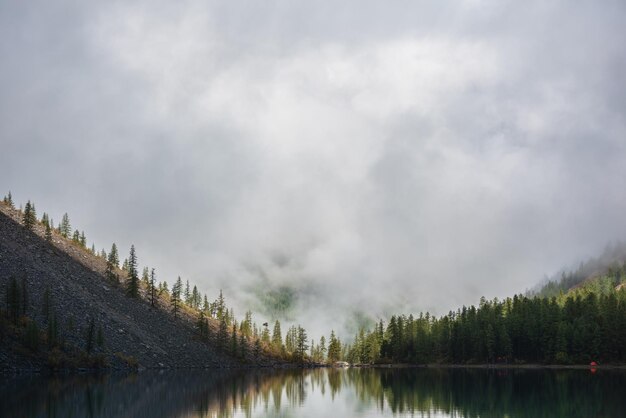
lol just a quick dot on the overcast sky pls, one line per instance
(372, 156)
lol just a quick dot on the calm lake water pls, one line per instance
(322, 393)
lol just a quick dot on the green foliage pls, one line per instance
(132, 286)
(277, 337)
(48, 232)
(334, 348)
(588, 323)
(301, 344)
(279, 302)
(30, 216)
(152, 288)
(8, 200)
(65, 228)
(175, 296)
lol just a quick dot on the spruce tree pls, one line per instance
(152, 288)
(175, 299)
(133, 278)
(187, 294)
(334, 348)
(48, 232)
(277, 338)
(233, 340)
(65, 228)
(195, 298)
(222, 333)
(30, 216)
(112, 265)
(9, 200)
(220, 306)
(242, 346)
(322, 348)
(114, 257)
(301, 344)
(145, 276)
(205, 306)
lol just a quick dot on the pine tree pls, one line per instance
(220, 307)
(201, 325)
(9, 200)
(145, 276)
(265, 334)
(195, 298)
(152, 288)
(277, 337)
(205, 306)
(242, 346)
(187, 294)
(175, 299)
(65, 228)
(30, 216)
(114, 257)
(301, 344)
(222, 333)
(334, 348)
(112, 265)
(76, 236)
(133, 278)
(82, 239)
(233, 340)
(322, 348)
(48, 232)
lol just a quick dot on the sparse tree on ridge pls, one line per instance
(114, 256)
(30, 216)
(175, 298)
(48, 232)
(9, 200)
(65, 228)
(187, 294)
(152, 288)
(145, 276)
(133, 278)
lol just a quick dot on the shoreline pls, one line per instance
(494, 366)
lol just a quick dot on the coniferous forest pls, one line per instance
(574, 321)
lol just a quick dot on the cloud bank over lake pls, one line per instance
(372, 157)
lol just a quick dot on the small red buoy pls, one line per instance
(593, 364)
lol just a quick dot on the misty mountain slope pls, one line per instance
(610, 264)
(79, 293)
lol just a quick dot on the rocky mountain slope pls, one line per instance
(63, 278)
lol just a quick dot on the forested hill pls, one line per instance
(61, 308)
(610, 265)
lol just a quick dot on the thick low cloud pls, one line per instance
(337, 161)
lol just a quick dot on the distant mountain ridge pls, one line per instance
(610, 265)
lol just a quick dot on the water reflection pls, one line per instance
(323, 392)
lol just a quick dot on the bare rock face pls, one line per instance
(79, 293)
